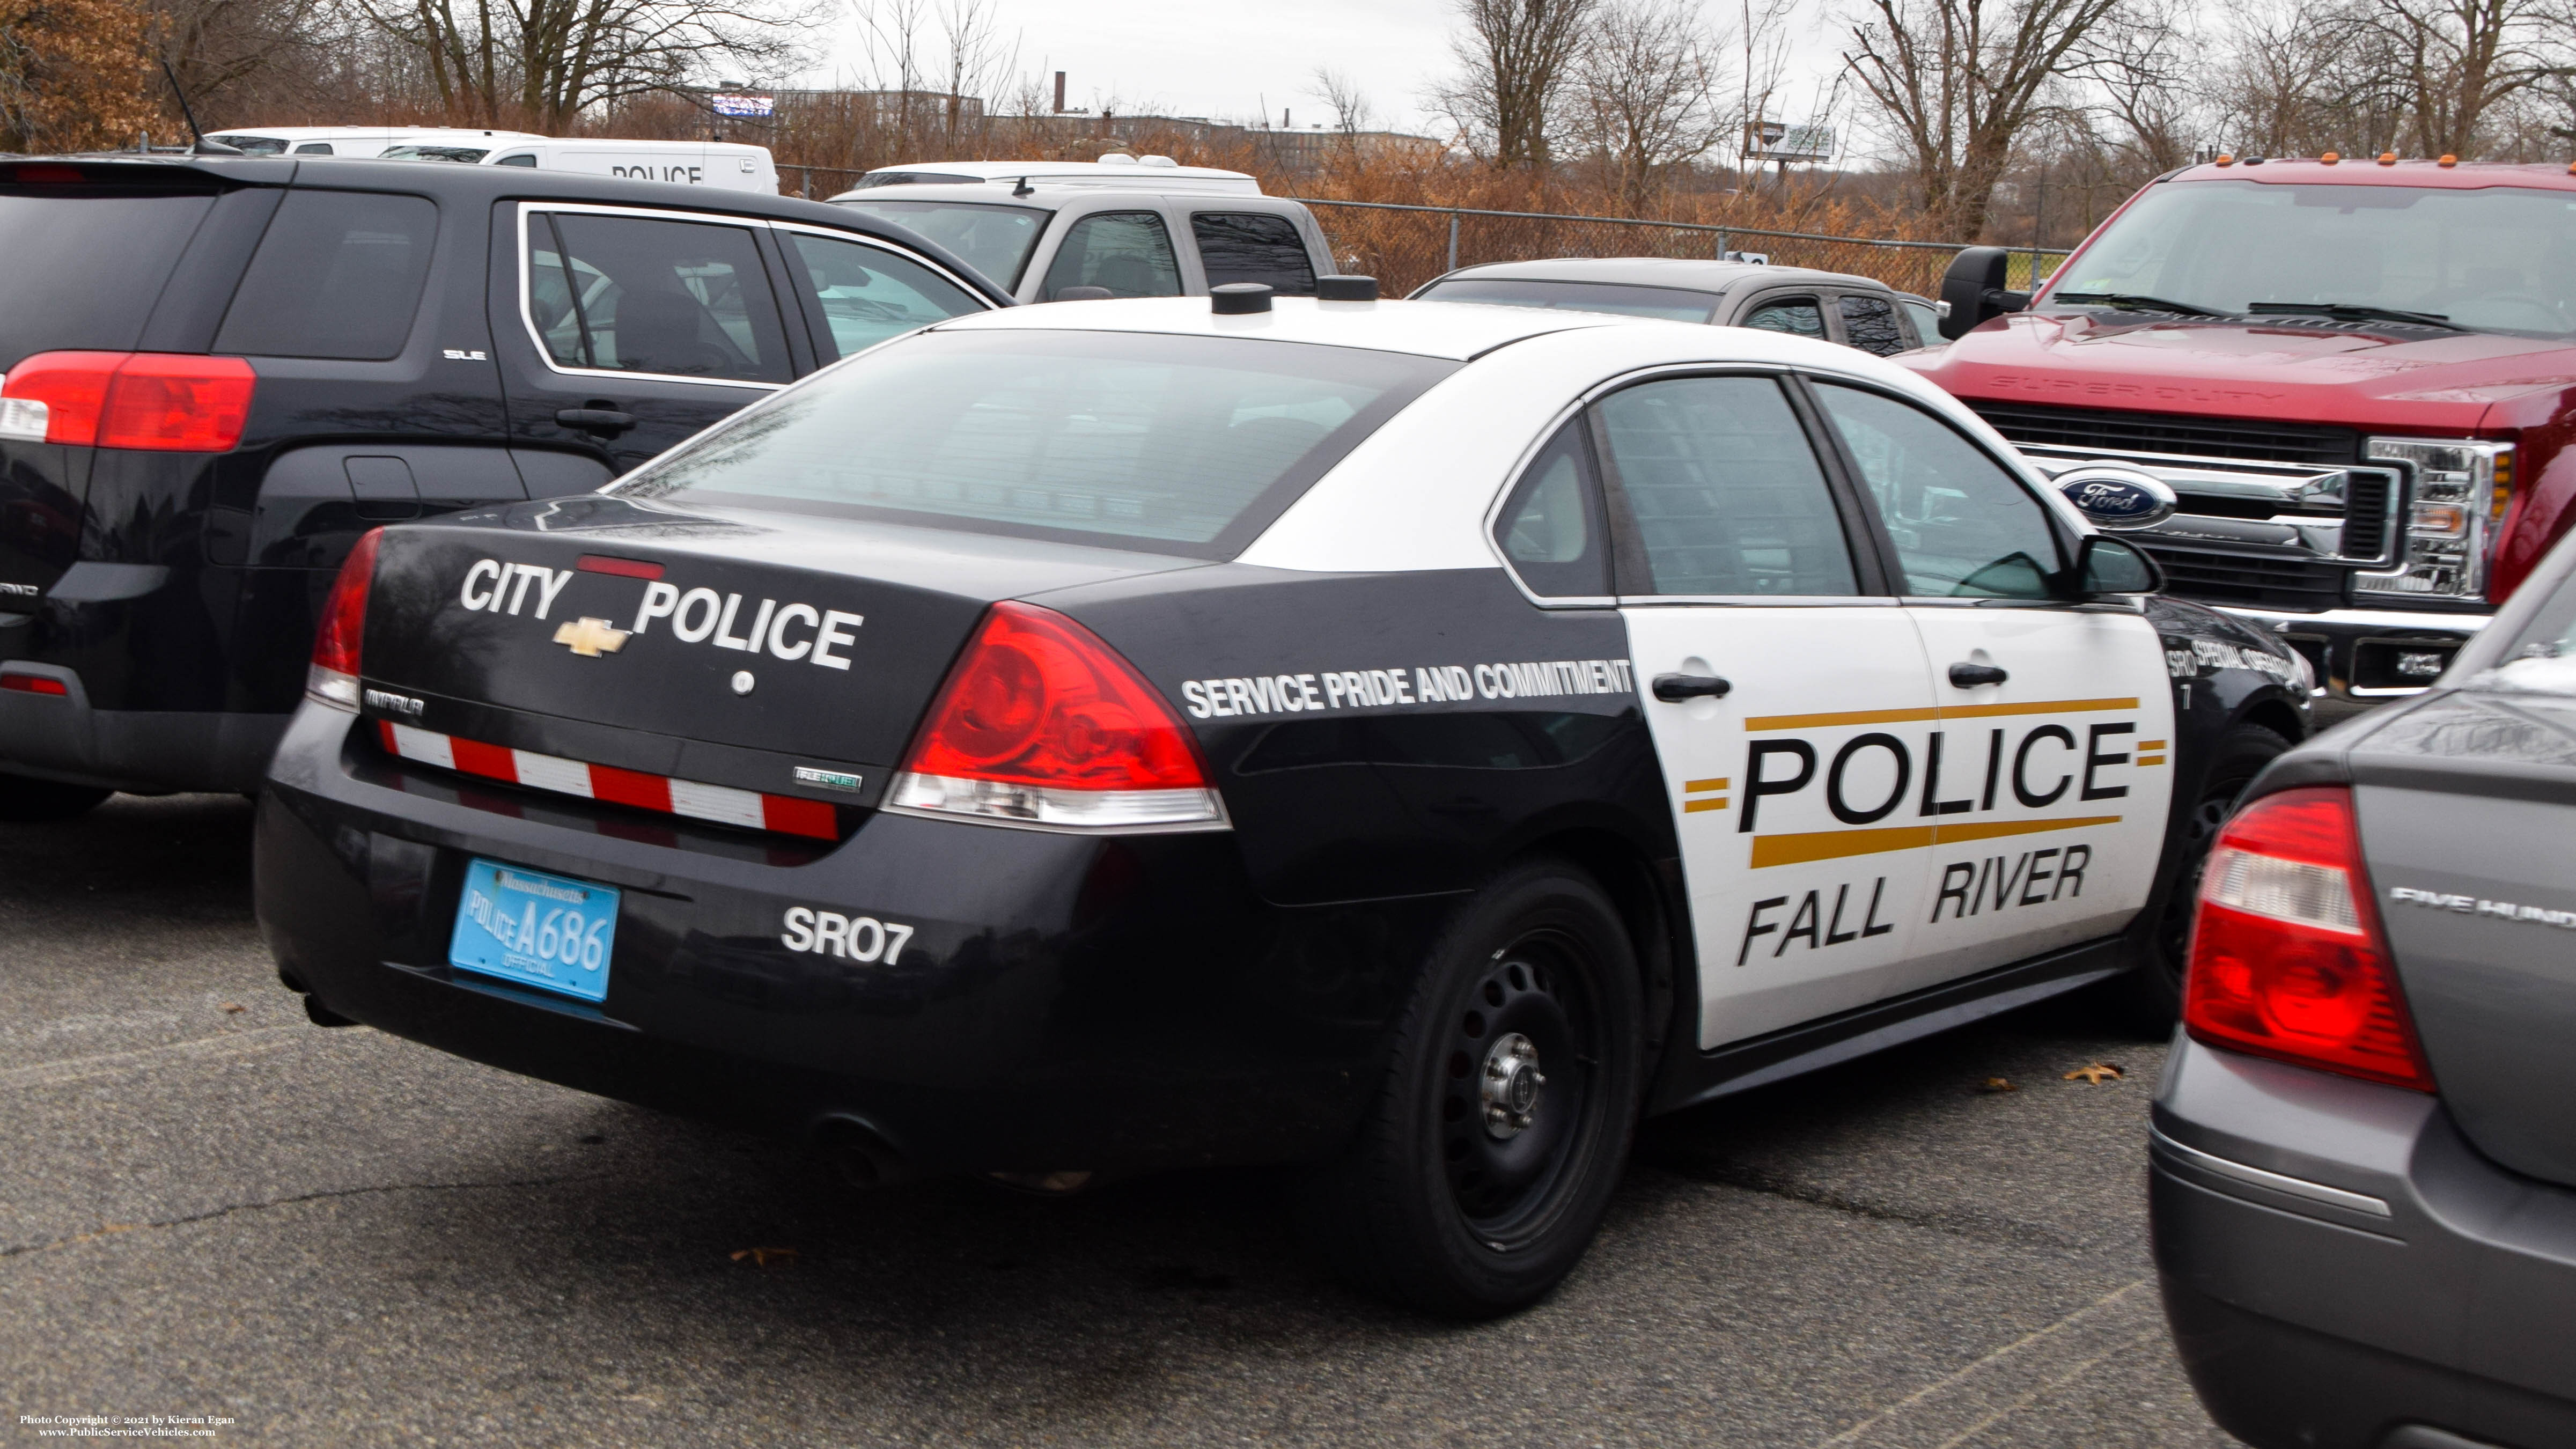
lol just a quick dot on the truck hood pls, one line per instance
(2314, 370)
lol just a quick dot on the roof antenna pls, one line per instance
(203, 147)
(1024, 188)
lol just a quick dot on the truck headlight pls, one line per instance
(2460, 488)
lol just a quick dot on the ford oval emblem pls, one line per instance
(2113, 496)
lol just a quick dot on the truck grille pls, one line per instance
(2268, 583)
(2084, 428)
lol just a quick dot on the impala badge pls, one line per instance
(591, 638)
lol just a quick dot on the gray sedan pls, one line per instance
(2364, 1150)
(1831, 306)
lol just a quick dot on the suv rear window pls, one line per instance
(338, 275)
(82, 270)
(1187, 445)
(1253, 246)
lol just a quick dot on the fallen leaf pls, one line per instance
(760, 1256)
(1997, 1084)
(2095, 1073)
(234, 1008)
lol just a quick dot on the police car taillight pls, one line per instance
(2287, 956)
(1040, 723)
(333, 677)
(163, 402)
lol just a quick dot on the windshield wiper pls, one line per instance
(2136, 302)
(2358, 312)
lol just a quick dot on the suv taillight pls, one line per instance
(163, 402)
(2287, 957)
(333, 677)
(1040, 723)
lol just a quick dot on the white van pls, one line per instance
(727, 165)
(364, 141)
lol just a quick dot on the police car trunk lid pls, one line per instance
(728, 649)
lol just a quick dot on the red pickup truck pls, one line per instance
(2333, 396)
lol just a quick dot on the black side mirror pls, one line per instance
(1973, 292)
(2108, 566)
(1082, 294)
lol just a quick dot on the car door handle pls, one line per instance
(596, 420)
(1674, 688)
(1969, 676)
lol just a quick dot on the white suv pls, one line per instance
(1148, 228)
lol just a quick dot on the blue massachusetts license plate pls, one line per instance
(536, 929)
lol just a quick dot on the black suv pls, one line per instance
(216, 373)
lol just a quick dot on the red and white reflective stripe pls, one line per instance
(750, 809)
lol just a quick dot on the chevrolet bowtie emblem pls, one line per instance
(591, 638)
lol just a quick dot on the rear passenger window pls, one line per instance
(1726, 493)
(339, 274)
(1128, 252)
(1798, 315)
(1550, 527)
(1869, 323)
(637, 294)
(869, 294)
(1253, 246)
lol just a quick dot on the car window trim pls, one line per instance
(809, 302)
(2065, 536)
(545, 354)
(973, 292)
(1590, 465)
(1628, 554)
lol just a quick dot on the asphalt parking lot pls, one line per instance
(212, 1208)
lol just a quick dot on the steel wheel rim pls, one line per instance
(1505, 1178)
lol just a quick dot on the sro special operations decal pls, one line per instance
(1948, 786)
(1422, 684)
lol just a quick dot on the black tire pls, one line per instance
(34, 802)
(2151, 992)
(1434, 1207)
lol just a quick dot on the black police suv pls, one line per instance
(215, 373)
(2365, 1147)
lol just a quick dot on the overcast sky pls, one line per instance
(1231, 61)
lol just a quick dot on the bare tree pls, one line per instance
(1514, 59)
(1352, 113)
(1647, 85)
(2457, 61)
(72, 75)
(545, 62)
(1958, 82)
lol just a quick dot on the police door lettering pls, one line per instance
(1898, 789)
(853, 938)
(1815, 923)
(1999, 883)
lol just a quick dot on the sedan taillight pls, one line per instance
(2287, 957)
(1043, 724)
(333, 678)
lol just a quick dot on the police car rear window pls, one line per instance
(1187, 445)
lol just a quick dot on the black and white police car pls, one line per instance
(1404, 740)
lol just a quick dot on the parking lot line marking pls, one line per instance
(2134, 1300)
(105, 1064)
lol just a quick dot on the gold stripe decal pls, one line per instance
(1691, 805)
(1701, 787)
(1764, 722)
(1770, 850)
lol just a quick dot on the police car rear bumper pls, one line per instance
(62, 737)
(2342, 1270)
(1064, 1002)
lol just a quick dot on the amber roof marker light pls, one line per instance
(2387, 158)
(2448, 161)
(2331, 157)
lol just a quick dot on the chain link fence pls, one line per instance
(1405, 246)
